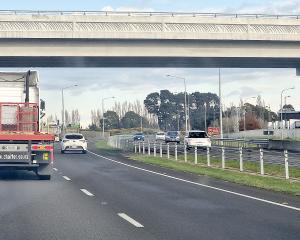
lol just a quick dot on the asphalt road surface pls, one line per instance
(91, 197)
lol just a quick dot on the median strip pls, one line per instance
(130, 220)
(87, 192)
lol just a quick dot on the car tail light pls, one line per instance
(82, 141)
(65, 140)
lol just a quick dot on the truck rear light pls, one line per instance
(42, 147)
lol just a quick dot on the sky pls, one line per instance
(134, 84)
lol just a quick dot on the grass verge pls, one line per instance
(263, 182)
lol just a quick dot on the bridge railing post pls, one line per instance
(261, 160)
(286, 164)
(154, 149)
(223, 157)
(160, 150)
(185, 153)
(168, 151)
(208, 156)
(176, 157)
(241, 159)
(139, 147)
(149, 148)
(143, 148)
(135, 150)
(196, 155)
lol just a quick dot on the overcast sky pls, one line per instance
(132, 84)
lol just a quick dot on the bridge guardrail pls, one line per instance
(144, 13)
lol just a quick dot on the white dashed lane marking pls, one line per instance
(87, 192)
(67, 178)
(130, 220)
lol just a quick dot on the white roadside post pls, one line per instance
(286, 164)
(139, 147)
(160, 150)
(196, 155)
(176, 158)
(261, 159)
(135, 150)
(149, 148)
(168, 150)
(185, 153)
(154, 149)
(241, 160)
(208, 156)
(223, 157)
(143, 148)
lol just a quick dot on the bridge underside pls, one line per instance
(148, 62)
(148, 53)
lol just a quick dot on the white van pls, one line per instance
(197, 138)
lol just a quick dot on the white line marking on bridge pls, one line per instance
(87, 192)
(55, 169)
(200, 184)
(130, 220)
(67, 178)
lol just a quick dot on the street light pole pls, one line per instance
(285, 97)
(284, 90)
(103, 118)
(185, 100)
(63, 106)
(205, 119)
(221, 110)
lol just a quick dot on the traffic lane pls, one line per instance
(56, 209)
(174, 210)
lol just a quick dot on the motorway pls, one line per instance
(96, 197)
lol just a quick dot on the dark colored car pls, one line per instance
(172, 136)
(138, 137)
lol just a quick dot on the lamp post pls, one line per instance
(63, 106)
(103, 119)
(205, 118)
(284, 90)
(185, 100)
(221, 110)
(285, 97)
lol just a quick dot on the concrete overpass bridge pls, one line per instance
(136, 39)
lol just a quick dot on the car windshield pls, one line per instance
(160, 134)
(173, 134)
(74, 136)
(139, 134)
(198, 135)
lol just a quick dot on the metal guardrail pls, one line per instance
(143, 13)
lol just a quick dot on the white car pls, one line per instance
(74, 142)
(197, 138)
(160, 136)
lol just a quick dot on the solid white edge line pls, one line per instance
(200, 184)
(67, 178)
(130, 220)
(87, 192)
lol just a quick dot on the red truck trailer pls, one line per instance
(22, 145)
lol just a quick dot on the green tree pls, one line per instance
(131, 120)
(111, 119)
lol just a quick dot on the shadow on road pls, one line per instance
(15, 175)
